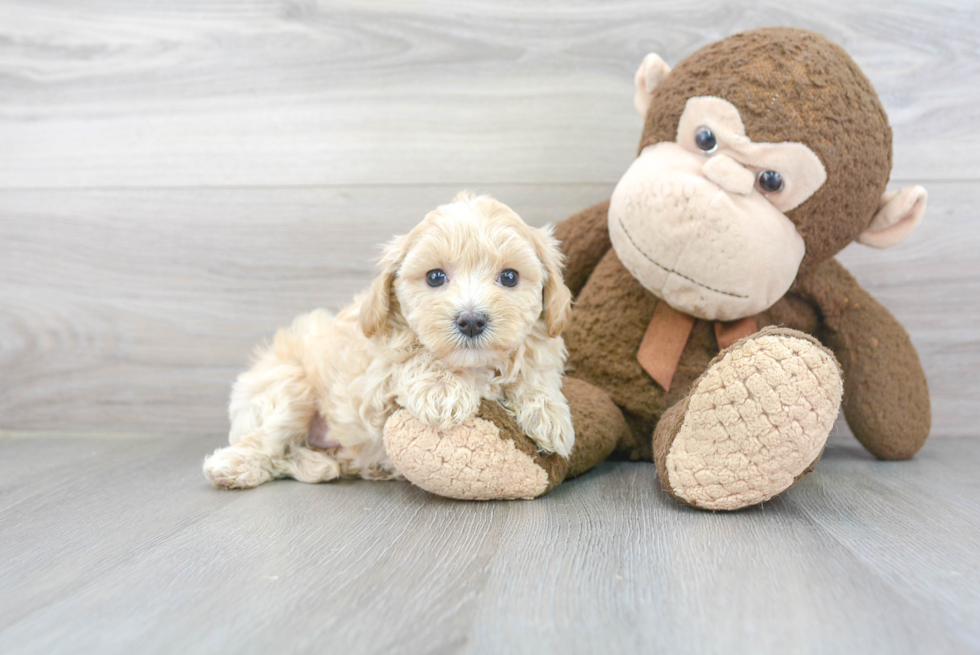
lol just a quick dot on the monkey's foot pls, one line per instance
(754, 423)
(485, 458)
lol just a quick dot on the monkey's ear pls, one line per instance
(648, 77)
(376, 304)
(899, 212)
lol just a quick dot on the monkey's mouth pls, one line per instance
(672, 271)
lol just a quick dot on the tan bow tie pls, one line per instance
(665, 338)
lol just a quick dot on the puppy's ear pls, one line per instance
(373, 314)
(557, 299)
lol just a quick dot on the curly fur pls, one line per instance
(314, 404)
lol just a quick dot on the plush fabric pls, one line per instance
(488, 457)
(801, 167)
(727, 333)
(733, 427)
(886, 396)
(886, 400)
(755, 421)
(663, 343)
(586, 235)
(794, 85)
(478, 460)
(713, 251)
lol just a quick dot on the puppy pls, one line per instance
(468, 305)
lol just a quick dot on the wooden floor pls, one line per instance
(178, 179)
(121, 546)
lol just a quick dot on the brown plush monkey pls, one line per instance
(706, 286)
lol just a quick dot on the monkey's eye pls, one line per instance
(770, 181)
(705, 140)
(509, 277)
(435, 278)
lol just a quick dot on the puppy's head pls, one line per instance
(471, 281)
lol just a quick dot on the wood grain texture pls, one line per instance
(133, 310)
(178, 179)
(119, 546)
(301, 92)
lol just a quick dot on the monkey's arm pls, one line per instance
(584, 240)
(886, 397)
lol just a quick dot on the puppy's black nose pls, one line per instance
(471, 324)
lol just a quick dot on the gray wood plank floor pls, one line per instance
(120, 546)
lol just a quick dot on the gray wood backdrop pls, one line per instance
(178, 179)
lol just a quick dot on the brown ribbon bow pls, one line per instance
(668, 332)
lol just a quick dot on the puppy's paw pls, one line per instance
(549, 425)
(235, 468)
(444, 405)
(309, 465)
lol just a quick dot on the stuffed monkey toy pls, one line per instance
(713, 332)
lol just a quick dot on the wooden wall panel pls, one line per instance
(130, 310)
(298, 92)
(177, 179)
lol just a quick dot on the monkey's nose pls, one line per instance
(472, 324)
(729, 174)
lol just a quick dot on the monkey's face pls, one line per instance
(701, 221)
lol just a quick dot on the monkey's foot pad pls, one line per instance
(756, 421)
(469, 462)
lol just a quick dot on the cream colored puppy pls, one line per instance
(468, 305)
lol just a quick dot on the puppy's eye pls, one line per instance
(770, 181)
(435, 278)
(509, 278)
(705, 140)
